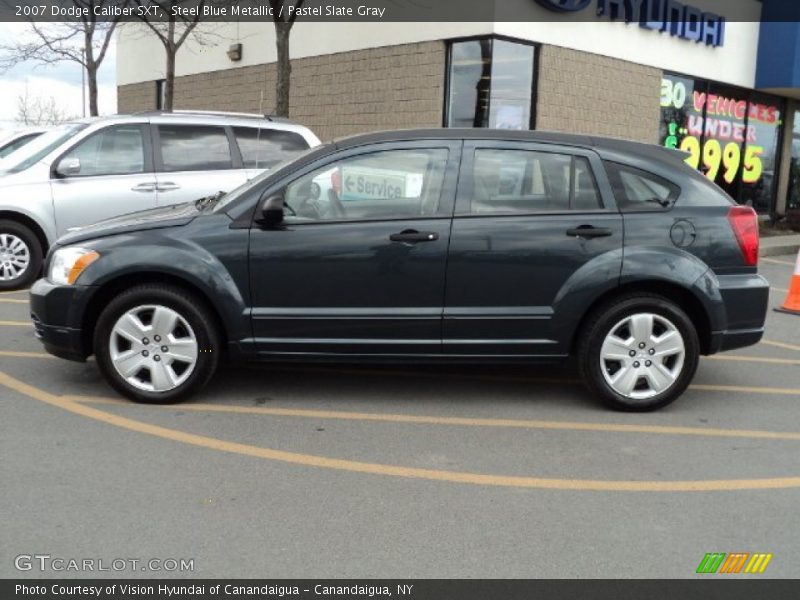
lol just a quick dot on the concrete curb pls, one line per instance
(779, 245)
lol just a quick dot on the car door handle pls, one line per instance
(413, 236)
(167, 186)
(589, 231)
(144, 187)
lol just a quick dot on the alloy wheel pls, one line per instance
(642, 356)
(15, 257)
(153, 348)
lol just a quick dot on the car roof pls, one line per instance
(200, 117)
(606, 146)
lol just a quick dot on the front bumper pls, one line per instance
(745, 299)
(57, 313)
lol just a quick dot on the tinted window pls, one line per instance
(637, 190)
(393, 184)
(521, 181)
(112, 151)
(194, 148)
(265, 148)
(18, 143)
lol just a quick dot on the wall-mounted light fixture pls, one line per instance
(235, 52)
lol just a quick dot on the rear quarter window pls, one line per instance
(264, 148)
(636, 190)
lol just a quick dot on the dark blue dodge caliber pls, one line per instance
(456, 245)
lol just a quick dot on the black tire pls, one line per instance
(34, 247)
(600, 324)
(190, 308)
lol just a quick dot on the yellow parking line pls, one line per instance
(13, 301)
(456, 421)
(740, 389)
(754, 359)
(781, 290)
(16, 324)
(776, 261)
(324, 462)
(781, 345)
(15, 354)
(25, 291)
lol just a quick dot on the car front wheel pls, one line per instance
(638, 353)
(156, 344)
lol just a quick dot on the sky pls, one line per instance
(61, 81)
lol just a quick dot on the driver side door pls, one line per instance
(358, 264)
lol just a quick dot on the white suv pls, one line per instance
(93, 169)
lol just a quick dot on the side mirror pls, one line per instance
(272, 211)
(68, 167)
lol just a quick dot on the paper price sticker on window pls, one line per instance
(360, 183)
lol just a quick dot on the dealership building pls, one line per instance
(725, 88)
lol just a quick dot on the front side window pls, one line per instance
(112, 151)
(392, 184)
(522, 181)
(490, 83)
(194, 148)
(263, 148)
(637, 190)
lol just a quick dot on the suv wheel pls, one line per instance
(20, 255)
(638, 353)
(156, 343)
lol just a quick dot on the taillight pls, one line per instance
(744, 222)
(336, 181)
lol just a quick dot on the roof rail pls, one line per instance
(213, 113)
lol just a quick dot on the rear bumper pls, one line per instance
(56, 312)
(745, 299)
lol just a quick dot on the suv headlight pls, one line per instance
(68, 263)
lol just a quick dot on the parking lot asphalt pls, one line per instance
(333, 471)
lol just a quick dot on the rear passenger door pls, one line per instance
(535, 236)
(193, 161)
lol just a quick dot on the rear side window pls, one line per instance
(265, 148)
(522, 181)
(194, 148)
(637, 190)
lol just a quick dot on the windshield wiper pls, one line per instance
(207, 201)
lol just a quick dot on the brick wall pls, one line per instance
(580, 92)
(338, 94)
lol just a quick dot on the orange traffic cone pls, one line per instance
(792, 303)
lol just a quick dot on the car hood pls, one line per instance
(168, 216)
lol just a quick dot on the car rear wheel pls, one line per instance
(20, 255)
(638, 353)
(156, 344)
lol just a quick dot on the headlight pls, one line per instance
(68, 264)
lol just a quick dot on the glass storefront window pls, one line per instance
(731, 135)
(793, 201)
(490, 84)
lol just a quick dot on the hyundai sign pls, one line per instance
(670, 16)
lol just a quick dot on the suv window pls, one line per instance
(194, 148)
(524, 181)
(637, 190)
(265, 148)
(391, 184)
(117, 150)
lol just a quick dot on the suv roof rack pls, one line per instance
(215, 113)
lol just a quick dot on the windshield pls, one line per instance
(240, 191)
(36, 150)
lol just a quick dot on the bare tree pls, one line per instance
(84, 41)
(39, 111)
(284, 15)
(172, 31)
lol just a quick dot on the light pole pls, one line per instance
(83, 81)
